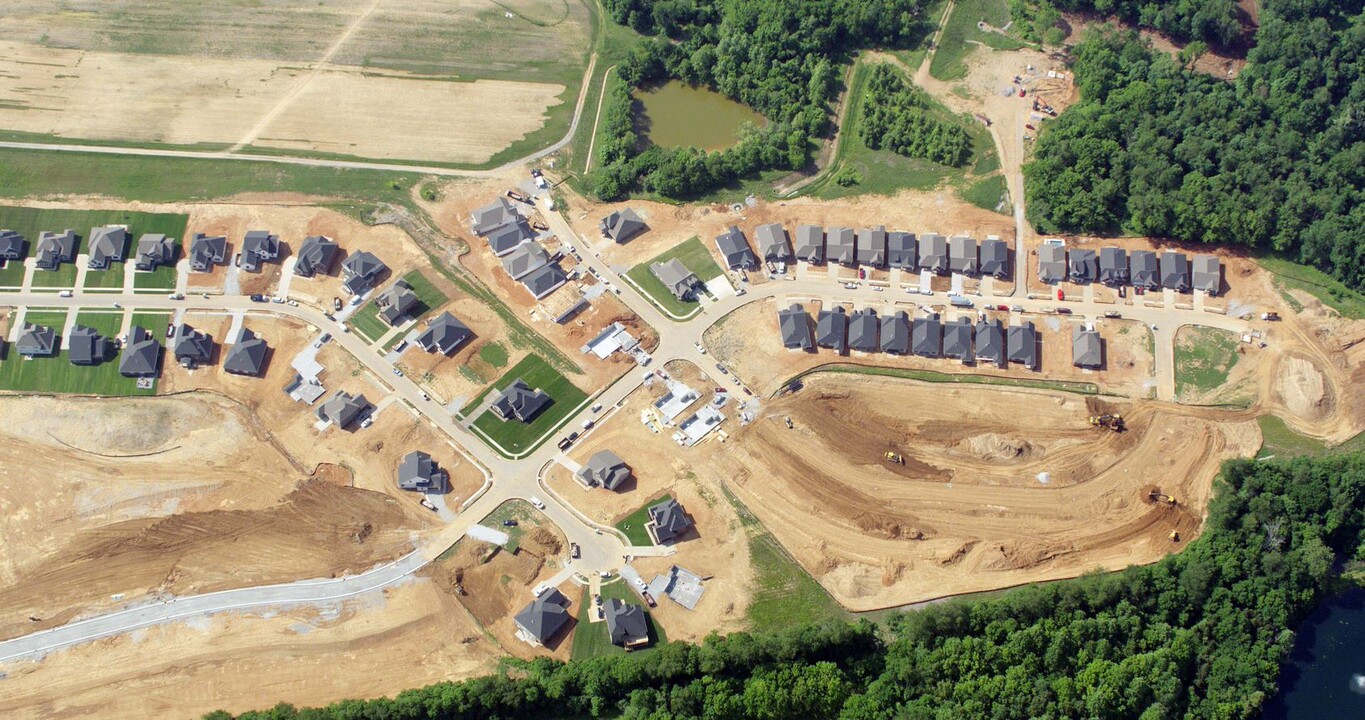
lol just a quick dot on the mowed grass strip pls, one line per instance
(12, 274)
(514, 436)
(591, 639)
(1203, 358)
(56, 374)
(111, 279)
(691, 253)
(633, 525)
(162, 278)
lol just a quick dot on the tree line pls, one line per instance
(1272, 160)
(1211, 21)
(780, 57)
(896, 117)
(1200, 634)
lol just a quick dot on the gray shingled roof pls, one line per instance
(545, 616)
(495, 215)
(107, 245)
(810, 243)
(668, 520)
(926, 337)
(604, 468)
(247, 355)
(1085, 348)
(957, 340)
(1146, 271)
(1175, 271)
(990, 342)
(895, 333)
(831, 329)
(55, 248)
(862, 331)
(154, 250)
(734, 248)
(518, 401)
(259, 246)
(525, 258)
(418, 472)
(342, 409)
(443, 334)
(207, 251)
(141, 355)
(933, 253)
(901, 250)
(676, 277)
(772, 243)
(1208, 276)
(962, 255)
(505, 239)
(1082, 266)
(841, 246)
(626, 623)
(36, 341)
(11, 245)
(363, 264)
(871, 244)
(995, 257)
(1113, 266)
(544, 280)
(396, 302)
(85, 346)
(1021, 344)
(1051, 263)
(622, 225)
(316, 256)
(192, 345)
(794, 325)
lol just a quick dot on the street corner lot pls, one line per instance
(983, 500)
(747, 341)
(514, 436)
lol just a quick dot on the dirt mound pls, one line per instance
(542, 542)
(1302, 388)
(995, 446)
(888, 526)
(1019, 555)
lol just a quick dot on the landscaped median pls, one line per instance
(514, 438)
(694, 255)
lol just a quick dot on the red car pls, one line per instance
(1061, 295)
(1003, 308)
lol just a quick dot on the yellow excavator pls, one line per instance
(1158, 496)
(894, 458)
(1175, 536)
(1112, 422)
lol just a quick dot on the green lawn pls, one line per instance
(960, 35)
(692, 254)
(633, 525)
(162, 278)
(526, 515)
(367, 322)
(515, 436)
(988, 193)
(785, 595)
(494, 354)
(56, 374)
(30, 222)
(111, 279)
(1282, 441)
(107, 324)
(12, 274)
(63, 278)
(590, 639)
(155, 321)
(1330, 291)
(1203, 358)
(1083, 388)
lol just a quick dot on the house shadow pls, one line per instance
(628, 485)
(554, 643)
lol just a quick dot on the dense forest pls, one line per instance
(1273, 160)
(896, 117)
(780, 57)
(1211, 21)
(1201, 634)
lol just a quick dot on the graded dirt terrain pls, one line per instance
(969, 510)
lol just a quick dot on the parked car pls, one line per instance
(258, 298)
(509, 523)
(722, 369)
(1063, 311)
(574, 551)
(398, 372)
(324, 338)
(170, 330)
(1017, 308)
(537, 502)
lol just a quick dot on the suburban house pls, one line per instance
(107, 245)
(505, 239)
(772, 243)
(315, 256)
(831, 329)
(622, 225)
(54, 249)
(246, 356)
(895, 333)
(192, 347)
(840, 246)
(544, 280)
(871, 244)
(524, 258)
(1051, 263)
(1146, 273)
(342, 408)
(490, 217)
(207, 251)
(734, 247)
(1175, 272)
(1086, 348)
(86, 347)
(396, 302)
(957, 340)
(444, 333)
(259, 246)
(604, 469)
(1021, 345)
(676, 277)
(990, 342)
(155, 250)
(962, 257)
(1082, 267)
(518, 402)
(1208, 274)
(541, 620)
(933, 253)
(418, 472)
(1113, 266)
(667, 521)
(141, 355)
(11, 245)
(794, 325)
(626, 623)
(995, 258)
(926, 337)
(900, 250)
(36, 341)
(862, 331)
(810, 243)
(360, 271)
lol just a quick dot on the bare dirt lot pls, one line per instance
(968, 511)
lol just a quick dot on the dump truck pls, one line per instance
(1112, 422)
(1158, 496)
(894, 458)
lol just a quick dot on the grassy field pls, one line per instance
(591, 639)
(162, 278)
(1083, 388)
(1203, 358)
(107, 324)
(960, 33)
(64, 277)
(785, 595)
(1327, 289)
(366, 321)
(56, 374)
(691, 253)
(633, 525)
(525, 514)
(12, 274)
(988, 193)
(515, 436)
(1281, 441)
(155, 321)
(494, 354)
(111, 279)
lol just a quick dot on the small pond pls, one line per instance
(679, 115)
(1325, 677)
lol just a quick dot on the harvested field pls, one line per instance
(969, 510)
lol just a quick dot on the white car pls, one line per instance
(537, 502)
(639, 583)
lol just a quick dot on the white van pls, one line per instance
(537, 502)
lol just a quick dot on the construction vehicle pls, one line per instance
(1175, 536)
(518, 197)
(1270, 316)
(894, 458)
(788, 420)
(1112, 422)
(1158, 496)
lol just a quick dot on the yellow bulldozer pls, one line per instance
(1175, 536)
(894, 458)
(1112, 422)
(1158, 496)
